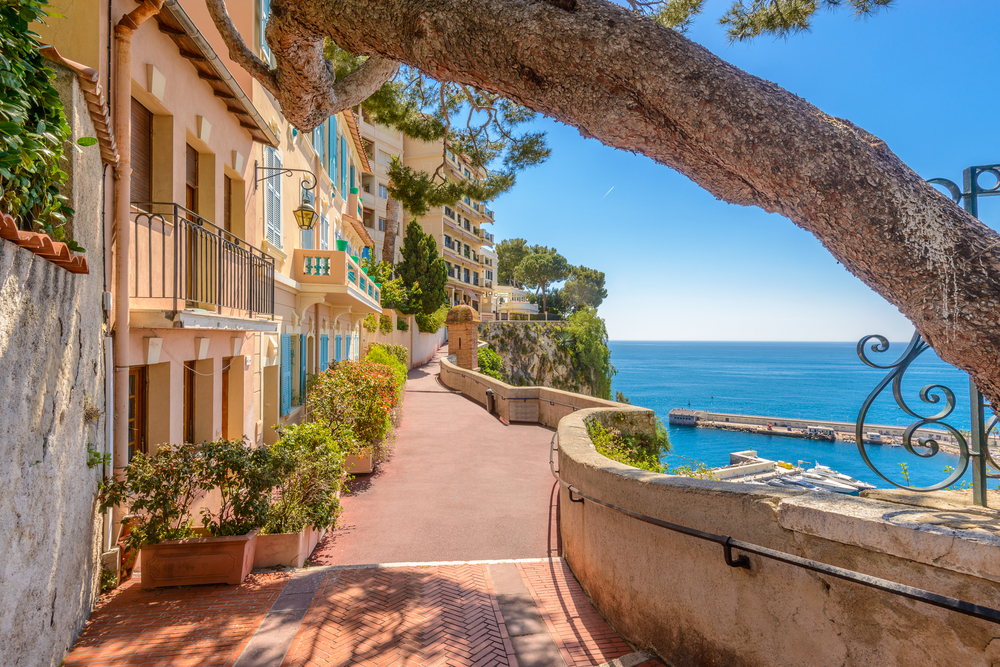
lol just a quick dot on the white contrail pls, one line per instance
(607, 193)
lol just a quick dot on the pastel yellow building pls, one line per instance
(459, 230)
(381, 145)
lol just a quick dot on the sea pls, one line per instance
(821, 381)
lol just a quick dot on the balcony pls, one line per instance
(337, 277)
(189, 273)
(485, 236)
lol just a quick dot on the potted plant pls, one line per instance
(305, 502)
(158, 491)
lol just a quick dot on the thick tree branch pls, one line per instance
(302, 80)
(633, 85)
(238, 49)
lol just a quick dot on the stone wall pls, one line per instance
(675, 594)
(536, 354)
(51, 366)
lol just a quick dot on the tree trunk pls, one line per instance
(633, 85)
(392, 216)
(545, 305)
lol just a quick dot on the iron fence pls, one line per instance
(183, 261)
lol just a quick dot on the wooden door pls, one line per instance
(136, 411)
(226, 363)
(188, 401)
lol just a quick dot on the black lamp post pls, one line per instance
(305, 214)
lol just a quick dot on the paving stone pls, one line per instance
(522, 619)
(537, 651)
(507, 579)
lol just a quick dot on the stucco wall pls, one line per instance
(675, 594)
(50, 360)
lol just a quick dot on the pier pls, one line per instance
(807, 428)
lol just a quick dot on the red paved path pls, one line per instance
(461, 486)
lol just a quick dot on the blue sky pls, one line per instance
(921, 76)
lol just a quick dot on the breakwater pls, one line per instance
(810, 428)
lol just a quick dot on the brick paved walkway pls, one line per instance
(526, 613)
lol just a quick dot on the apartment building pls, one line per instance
(381, 144)
(221, 303)
(459, 230)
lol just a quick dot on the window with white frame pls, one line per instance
(272, 197)
(383, 191)
(384, 158)
(381, 224)
(324, 233)
(263, 12)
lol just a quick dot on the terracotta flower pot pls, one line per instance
(358, 464)
(286, 549)
(198, 560)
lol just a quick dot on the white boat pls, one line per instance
(828, 483)
(827, 471)
(794, 482)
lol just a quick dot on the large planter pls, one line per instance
(198, 560)
(358, 464)
(286, 549)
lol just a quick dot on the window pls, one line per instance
(318, 142)
(475, 278)
(466, 275)
(466, 250)
(467, 174)
(272, 199)
(467, 201)
(381, 224)
(447, 241)
(286, 374)
(384, 158)
(451, 270)
(136, 410)
(324, 233)
(264, 11)
(227, 203)
(141, 185)
(448, 212)
(352, 177)
(333, 140)
(343, 167)
(191, 179)
(383, 191)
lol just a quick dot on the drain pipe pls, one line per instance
(123, 242)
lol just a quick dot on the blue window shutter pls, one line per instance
(286, 374)
(265, 12)
(357, 346)
(302, 366)
(331, 153)
(336, 347)
(352, 176)
(348, 354)
(324, 351)
(343, 167)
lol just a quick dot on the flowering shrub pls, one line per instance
(359, 394)
(380, 355)
(385, 324)
(370, 323)
(639, 450)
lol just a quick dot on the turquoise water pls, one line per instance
(822, 381)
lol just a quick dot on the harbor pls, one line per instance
(811, 429)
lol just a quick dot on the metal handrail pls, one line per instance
(202, 263)
(728, 544)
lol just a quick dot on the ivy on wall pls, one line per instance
(33, 127)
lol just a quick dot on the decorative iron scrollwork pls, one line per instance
(930, 394)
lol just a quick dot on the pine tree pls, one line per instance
(424, 274)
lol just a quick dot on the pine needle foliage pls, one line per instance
(484, 128)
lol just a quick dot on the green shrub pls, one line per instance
(385, 324)
(639, 450)
(379, 355)
(308, 496)
(490, 363)
(244, 476)
(370, 323)
(360, 395)
(33, 127)
(589, 348)
(157, 491)
(431, 323)
(398, 351)
(401, 324)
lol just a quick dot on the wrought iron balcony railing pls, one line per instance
(182, 261)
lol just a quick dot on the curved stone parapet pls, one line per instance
(676, 595)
